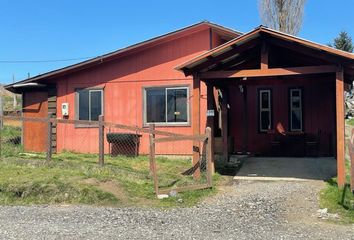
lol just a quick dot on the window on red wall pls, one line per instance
(265, 110)
(166, 105)
(295, 109)
(89, 104)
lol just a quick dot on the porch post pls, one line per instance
(340, 127)
(224, 131)
(196, 125)
(211, 121)
(264, 56)
(245, 121)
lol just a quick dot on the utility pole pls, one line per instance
(14, 95)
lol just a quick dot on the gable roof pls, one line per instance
(228, 33)
(192, 65)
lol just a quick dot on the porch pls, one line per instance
(278, 168)
(264, 88)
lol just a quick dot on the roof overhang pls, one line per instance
(227, 51)
(21, 87)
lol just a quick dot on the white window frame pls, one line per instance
(89, 93)
(166, 123)
(261, 109)
(292, 90)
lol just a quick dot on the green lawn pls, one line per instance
(72, 178)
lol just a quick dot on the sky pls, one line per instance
(42, 30)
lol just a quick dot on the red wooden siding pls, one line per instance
(318, 111)
(123, 81)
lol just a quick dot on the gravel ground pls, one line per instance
(246, 210)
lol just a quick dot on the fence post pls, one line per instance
(49, 138)
(101, 140)
(153, 169)
(209, 157)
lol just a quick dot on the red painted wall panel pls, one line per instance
(123, 81)
(318, 111)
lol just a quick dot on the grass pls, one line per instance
(72, 178)
(350, 122)
(10, 141)
(337, 200)
(8, 102)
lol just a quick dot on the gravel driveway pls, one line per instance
(246, 210)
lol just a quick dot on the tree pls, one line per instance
(282, 15)
(343, 42)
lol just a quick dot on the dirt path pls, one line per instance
(245, 210)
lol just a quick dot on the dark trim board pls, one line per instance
(52, 109)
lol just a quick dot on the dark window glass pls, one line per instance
(265, 100)
(295, 110)
(296, 119)
(296, 102)
(296, 93)
(90, 104)
(176, 105)
(155, 105)
(166, 105)
(83, 104)
(96, 105)
(265, 120)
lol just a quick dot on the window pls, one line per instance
(295, 109)
(89, 104)
(265, 109)
(166, 105)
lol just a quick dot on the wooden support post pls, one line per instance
(152, 145)
(49, 138)
(196, 126)
(264, 56)
(224, 130)
(209, 157)
(245, 121)
(211, 123)
(153, 168)
(340, 128)
(101, 140)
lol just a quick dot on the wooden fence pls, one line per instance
(155, 137)
(204, 138)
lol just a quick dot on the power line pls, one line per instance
(44, 61)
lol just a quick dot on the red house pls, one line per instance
(259, 90)
(126, 86)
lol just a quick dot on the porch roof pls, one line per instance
(241, 49)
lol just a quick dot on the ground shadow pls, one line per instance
(283, 167)
(227, 168)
